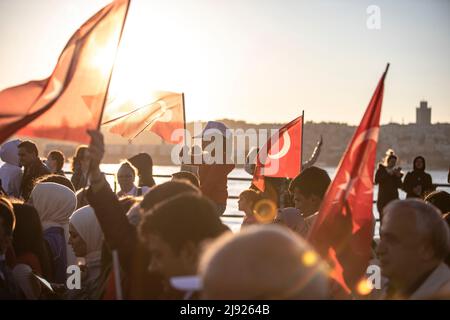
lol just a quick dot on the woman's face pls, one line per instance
(125, 177)
(52, 165)
(418, 163)
(392, 162)
(78, 244)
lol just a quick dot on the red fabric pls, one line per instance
(57, 107)
(110, 288)
(281, 155)
(343, 230)
(31, 260)
(162, 116)
(213, 181)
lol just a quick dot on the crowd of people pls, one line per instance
(168, 241)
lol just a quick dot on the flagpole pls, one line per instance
(112, 69)
(301, 149)
(184, 117)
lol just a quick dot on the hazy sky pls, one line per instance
(254, 60)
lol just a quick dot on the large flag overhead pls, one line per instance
(281, 156)
(343, 230)
(71, 100)
(161, 113)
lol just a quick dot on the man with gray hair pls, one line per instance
(262, 262)
(414, 243)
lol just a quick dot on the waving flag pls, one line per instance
(343, 230)
(70, 101)
(281, 156)
(162, 116)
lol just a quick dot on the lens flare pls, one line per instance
(310, 258)
(364, 287)
(265, 211)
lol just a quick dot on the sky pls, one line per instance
(254, 60)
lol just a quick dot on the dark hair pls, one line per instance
(165, 191)
(28, 236)
(188, 217)
(311, 181)
(128, 165)
(8, 219)
(79, 154)
(29, 146)
(189, 176)
(144, 165)
(56, 178)
(439, 199)
(252, 195)
(58, 156)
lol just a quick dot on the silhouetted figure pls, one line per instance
(80, 168)
(389, 179)
(10, 171)
(33, 167)
(418, 183)
(143, 162)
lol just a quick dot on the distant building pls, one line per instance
(423, 114)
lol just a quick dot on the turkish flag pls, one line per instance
(281, 156)
(70, 101)
(343, 229)
(163, 115)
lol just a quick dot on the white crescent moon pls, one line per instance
(369, 134)
(284, 149)
(57, 86)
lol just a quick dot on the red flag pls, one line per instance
(70, 101)
(281, 155)
(162, 116)
(344, 227)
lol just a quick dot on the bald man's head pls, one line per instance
(262, 262)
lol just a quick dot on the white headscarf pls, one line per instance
(87, 226)
(55, 203)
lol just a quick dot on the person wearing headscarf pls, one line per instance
(55, 204)
(86, 239)
(418, 183)
(10, 171)
(143, 162)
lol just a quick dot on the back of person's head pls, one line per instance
(164, 191)
(29, 146)
(440, 199)
(9, 152)
(182, 219)
(53, 202)
(311, 181)
(56, 178)
(58, 156)
(251, 195)
(28, 235)
(187, 176)
(7, 217)
(143, 162)
(250, 265)
(430, 227)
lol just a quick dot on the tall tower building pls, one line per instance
(423, 114)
